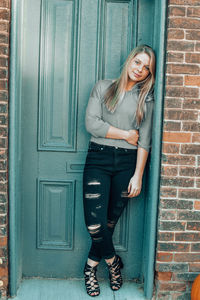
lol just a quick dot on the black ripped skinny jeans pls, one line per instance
(106, 176)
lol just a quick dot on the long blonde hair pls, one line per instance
(117, 88)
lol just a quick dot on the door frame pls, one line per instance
(16, 43)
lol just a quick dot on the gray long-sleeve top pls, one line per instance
(98, 119)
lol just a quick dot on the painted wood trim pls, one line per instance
(14, 147)
(159, 43)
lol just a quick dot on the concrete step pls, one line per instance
(56, 289)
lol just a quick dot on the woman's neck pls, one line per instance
(130, 85)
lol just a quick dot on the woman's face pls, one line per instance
(138, 68)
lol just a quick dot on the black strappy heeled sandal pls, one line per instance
(115, 273)
(91, 282)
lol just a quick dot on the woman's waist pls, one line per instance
(112, 144)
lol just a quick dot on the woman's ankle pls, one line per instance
(92, 263)
(110, 260)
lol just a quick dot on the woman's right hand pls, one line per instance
(132, 137)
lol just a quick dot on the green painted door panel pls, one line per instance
(67, 46)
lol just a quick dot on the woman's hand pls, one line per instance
(132, 137)
(135, 186)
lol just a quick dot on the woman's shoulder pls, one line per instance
(101, 87)
(104, 83)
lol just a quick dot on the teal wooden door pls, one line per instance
(67, 46)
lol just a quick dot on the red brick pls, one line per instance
(169, 171)
(193, 226)
(182, 69)
(190, 149)
(167, 214)
(172, 226)
(4, 50)
(191, 126)
(189, 171)
(198, 182)
(3, 272)
(3, 84)
(177, 137)
(187, 257)
(187, 236)
(191, 104)
(177, 11)
(166, 236)
(175, 57)
(178, 159)
(168, 192)
(172, 287)
(164, 276)
(174, 80)
(174, 267)
(168, 203)
(197, 205)
(170, 148)
(175, 114)
(174, 91)
(197, 46)
(188, 215)
(196, 138)
(5, 3)
(173, 102)
(184, 277)
(4, 14)
(192, 35)
(172, 126)
(179, 45)
(189, 194)
(193, 12)
(3, 64)
(164, 256)
(3, 241)
(194, 267)
(176, 204)
(173, 247)
(179, 296)
(177, 181)
(184, 23)
(175, 34)
(195, 247)
(162, 296)
(192, 58)
(184, 2)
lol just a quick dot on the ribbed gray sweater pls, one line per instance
(98, 119)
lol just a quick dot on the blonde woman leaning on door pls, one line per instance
(119, 118)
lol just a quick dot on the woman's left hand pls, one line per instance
(135, 186)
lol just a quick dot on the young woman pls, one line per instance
(119, 118)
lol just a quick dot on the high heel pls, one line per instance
(91, 282)
(115, 273)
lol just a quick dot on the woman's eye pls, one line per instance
(137, 62)
(147, 68)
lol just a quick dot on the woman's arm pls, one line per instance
(135, 184)
(131, 136)
(98, 127)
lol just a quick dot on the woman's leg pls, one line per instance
(119, 187)
(118, 197)
(96, 190)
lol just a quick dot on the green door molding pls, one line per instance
(15, 272)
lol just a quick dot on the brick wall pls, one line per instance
(4, 55)
(178, 247)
